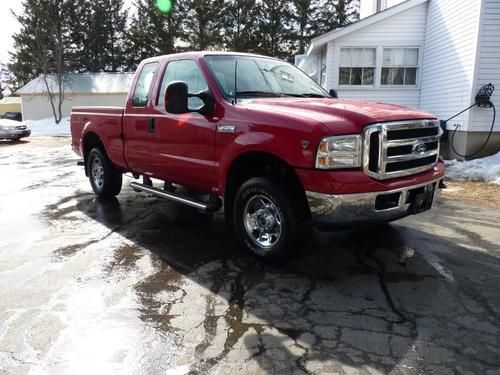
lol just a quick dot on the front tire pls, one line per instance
(265, 221)
(105, 179)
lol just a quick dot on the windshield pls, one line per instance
(261, 77)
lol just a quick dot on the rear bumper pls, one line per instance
(330, 211)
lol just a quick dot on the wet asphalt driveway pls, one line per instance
(142, 286)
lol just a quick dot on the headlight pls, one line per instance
(339, 152)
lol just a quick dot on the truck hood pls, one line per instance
(341, 116)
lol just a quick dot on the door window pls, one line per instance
(189, 72)
(141, 92)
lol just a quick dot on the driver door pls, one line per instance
(183, 145)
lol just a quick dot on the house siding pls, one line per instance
(406, 29)
(449, 58)
(488, 65)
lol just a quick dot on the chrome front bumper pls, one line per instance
(349, 209)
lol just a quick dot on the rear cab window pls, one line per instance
(143, 85)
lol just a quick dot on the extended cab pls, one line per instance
(263, 142)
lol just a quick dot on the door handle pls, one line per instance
(151, 125)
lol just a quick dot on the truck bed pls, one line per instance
(107, 122)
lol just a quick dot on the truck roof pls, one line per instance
(200, 54)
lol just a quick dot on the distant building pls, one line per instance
(81, 89)
(429, 54)
(10, 104)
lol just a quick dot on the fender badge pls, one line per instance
(305, 143)
(226, 128)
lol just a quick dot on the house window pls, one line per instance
(357, 66)
(400, 66)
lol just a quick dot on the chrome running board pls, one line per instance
(213, 205)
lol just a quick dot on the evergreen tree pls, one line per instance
(106, 35)
(41, 46)
(305, 14)
(79, 19)
(275, 37)
(204, 24)
(152, 32)
(337, 13)
(240, 28)
(23, 64)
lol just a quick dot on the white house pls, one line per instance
(430, 54)
(83, 89)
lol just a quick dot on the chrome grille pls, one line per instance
(402, 148)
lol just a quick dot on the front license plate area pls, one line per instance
(422, 201)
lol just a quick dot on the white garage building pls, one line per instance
(82, 89)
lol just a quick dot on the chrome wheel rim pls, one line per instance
(97, 172)
(263, 221)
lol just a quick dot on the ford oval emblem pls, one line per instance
(420, 148)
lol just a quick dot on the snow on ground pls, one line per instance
(485, 169)
(48, 127)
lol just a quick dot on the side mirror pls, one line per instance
(208, 102)
(176, 97)
(333, 93)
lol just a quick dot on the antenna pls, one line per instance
(235, 78)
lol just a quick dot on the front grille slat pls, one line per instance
(407, 157)
(403, 142)
(409, 164)
(401, 148)
(412, 133)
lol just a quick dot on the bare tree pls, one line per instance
(49, 47)
(48, 44)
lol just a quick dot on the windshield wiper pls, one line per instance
(279, 94)
(259, 93)
(313, 95)
(305, 95)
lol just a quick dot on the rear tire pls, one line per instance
(266, 221)
(105, 179)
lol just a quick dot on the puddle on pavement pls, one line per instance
(124, 259)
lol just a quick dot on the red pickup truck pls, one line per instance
(261, 140)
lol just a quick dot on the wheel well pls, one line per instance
(259, 164)
(90, 141)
